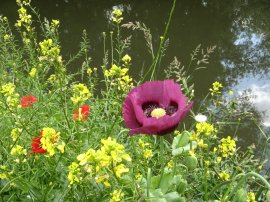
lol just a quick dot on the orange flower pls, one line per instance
(36, 146)
(81, 114)
(27, 101)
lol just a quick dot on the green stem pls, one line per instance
(111, 34)
(148, 182)
(158, 55)
(161, 157)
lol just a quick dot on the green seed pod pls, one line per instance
(241, 195)
(181, 187)
(267, 196)
(191, 162)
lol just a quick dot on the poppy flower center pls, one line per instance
(158, 112)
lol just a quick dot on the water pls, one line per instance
(239, 28)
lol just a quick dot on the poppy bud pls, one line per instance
(191, 162)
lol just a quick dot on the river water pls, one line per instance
(239, 28)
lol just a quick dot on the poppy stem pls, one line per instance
(161, 157)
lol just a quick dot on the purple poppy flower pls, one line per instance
(155, 107)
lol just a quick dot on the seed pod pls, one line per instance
(191, 162)
(241, 195)
(181, 187)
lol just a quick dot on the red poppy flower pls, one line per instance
(81, 114)
(27, 101)
(36, 146)
(155, 107)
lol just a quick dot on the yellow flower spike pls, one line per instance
(74, 172)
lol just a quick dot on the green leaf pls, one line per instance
(180, 150)
(166, 181)
(174, 197)
(181, 140)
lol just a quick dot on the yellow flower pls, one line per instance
(116, 196)
(33, 72)
(18, 150)
(224, 176)
(6, 37)
(147, 153)
(80, 93)
(55, 23)
(61, 147)
(205, 128)
(117, 16)
(251, 197)
(126, 59)
(216, 86)
(170, 164)
(103, 179)
(227, 147)
(74, 172)
(8, 89)
(49, 139)
(3, 174)
(192, 153)
(120, 169)
(15, 133)
(201, 143)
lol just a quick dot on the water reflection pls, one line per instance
(239, 28)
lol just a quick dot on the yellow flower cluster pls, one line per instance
(126, 59)
(49, 141)
(146, 149)
(80, 93)
(24, 18)
(251, 197)
(119, 77)
(8, 90)
(49, 51)
(117, 16)
(33, 72)
(205, 128)
(74, 173)
(227, 147)
(116, 196)
(95, 162)
(216, 86)
(15, 133)
(55, 24)
(224, 176)
(3, 174)
(18, 150)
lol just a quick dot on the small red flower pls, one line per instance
(36, 146)
(27, 101)
(81, 114)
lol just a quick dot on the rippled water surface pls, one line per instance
(239, 28)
